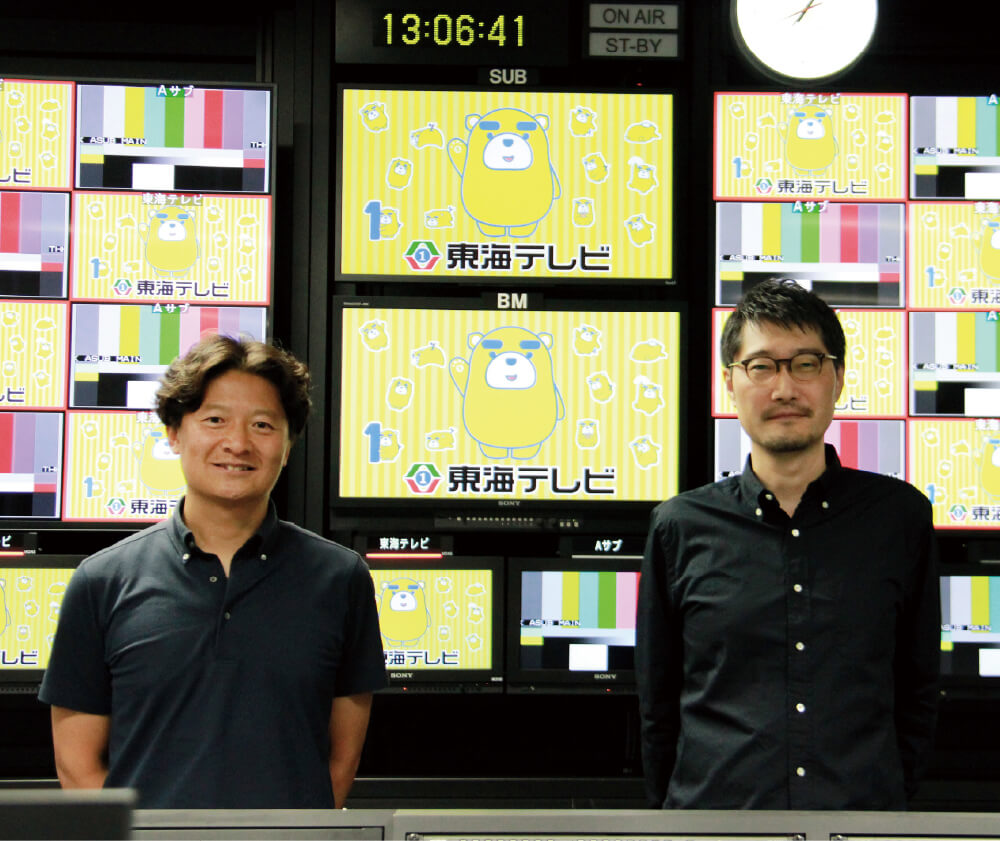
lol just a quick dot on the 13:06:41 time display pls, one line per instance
(445, 30)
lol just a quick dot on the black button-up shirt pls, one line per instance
(789, 662)
(219, 689)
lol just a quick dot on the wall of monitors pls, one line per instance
(888, 206)
(134, 219)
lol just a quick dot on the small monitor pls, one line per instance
(970, 625)
(954, 368)
(440, 620)
(571, 624)
(31, 593)
(848, 253)
(120, 351)
(31, 445)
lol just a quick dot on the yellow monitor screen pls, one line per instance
(518, 185)
(461, 405)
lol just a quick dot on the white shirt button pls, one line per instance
(800, 771)
(263, 557)
(759, 512)
(226, 614)
(826, 504)
(795, 532)
(800, 708)
(797, 588)
(213, 578)
(800, 646)
(185, 556)
(768, 496)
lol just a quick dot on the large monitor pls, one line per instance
(970, 625)
(31, 593)
(518, 186)
(452, 407)
(571, 624)
(441, 620)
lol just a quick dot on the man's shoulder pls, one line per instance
(125, 552)
(863, 485)
(720, 495)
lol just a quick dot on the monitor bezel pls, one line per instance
(668, 281)
(524, 680)
(437, 515)
(445, 679)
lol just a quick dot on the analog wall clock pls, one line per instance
(804, 39)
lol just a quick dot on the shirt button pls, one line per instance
(800, 646)
(185, 556)
(263, 557)
(826, 504)
(213, 578)
(797, 588)
(800, 771)
(768, 496)
(795, 532)
(758, 512)
(800, 708)
(226, 614)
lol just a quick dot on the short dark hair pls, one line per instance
(182, 387)
(782, 302)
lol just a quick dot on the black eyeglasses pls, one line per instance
(803, 367)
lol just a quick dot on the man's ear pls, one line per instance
(172, 437)
(839, 383)
(727, 376)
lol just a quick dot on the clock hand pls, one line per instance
(801, 14)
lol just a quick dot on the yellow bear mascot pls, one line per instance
(508, 183)
(510, 400)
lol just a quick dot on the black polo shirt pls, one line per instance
(788, 662)
(219, 689)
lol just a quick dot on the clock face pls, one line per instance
(805, 39)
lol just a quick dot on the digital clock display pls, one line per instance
(453, 33)
(445, 30)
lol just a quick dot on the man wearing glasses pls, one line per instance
(788, 617)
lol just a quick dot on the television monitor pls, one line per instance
(848, 253)
(31, 592)
(157, 248)
(441, 621)
(120, 351)
(33, 364)
(571, 624)
(953, 260)
(878, 446)
(453, 407)
(516, 185)
(956, 463)
(31, 465)
(811, 146)
(119, 467)
(874, 375)
(970, 625)
(173, 137)
(954, 149)
(34, 244)
(36, 119)
(954, 364)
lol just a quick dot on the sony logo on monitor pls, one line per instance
(508, 503)
(608, 676)
(401, 675)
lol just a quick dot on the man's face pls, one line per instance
(235, 444)
(784, 415)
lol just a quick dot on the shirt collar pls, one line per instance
(183, 537)
(752, 489)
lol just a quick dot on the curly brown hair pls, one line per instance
(183, 386)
